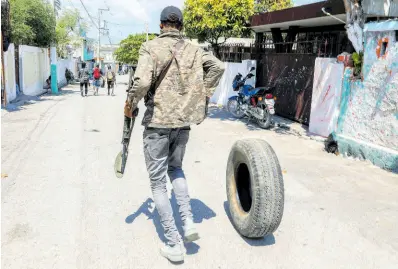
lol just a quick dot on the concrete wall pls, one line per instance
(368, 121)
(34, 69)
(61, 68)
(9, 73)
(326, 92)
(380, 7)
(224, 89)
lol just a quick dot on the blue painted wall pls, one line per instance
(368, 121)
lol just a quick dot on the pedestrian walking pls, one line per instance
(110, 79)
(83, 78)
(97, 74)
(176, 79)
(131, 78)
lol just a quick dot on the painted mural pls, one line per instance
(369, 108)
(372, 113)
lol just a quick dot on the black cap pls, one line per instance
(171, 14)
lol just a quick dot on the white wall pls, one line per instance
(61, 67)
(34, 69)
(9, 73)
(326, 94)
(224, 89)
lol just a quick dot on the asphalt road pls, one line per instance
(62, 206)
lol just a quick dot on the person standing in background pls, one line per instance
(97, 74)
(111, 79)
(83, 78)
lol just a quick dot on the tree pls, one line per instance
(32, 22)
(68, 31)
(128, 52)
(261, 6)
(216, 20)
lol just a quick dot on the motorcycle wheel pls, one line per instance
(265, 123)
(232, 107)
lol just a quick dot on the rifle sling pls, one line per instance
(156, 81)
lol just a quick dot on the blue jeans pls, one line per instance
(164, 151)
(97, 83)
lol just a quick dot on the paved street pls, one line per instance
(63, 207)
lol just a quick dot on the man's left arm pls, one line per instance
(142, 78)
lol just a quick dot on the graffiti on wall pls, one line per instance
(369, 109)
(326, 92)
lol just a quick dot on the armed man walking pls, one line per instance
(176, 80)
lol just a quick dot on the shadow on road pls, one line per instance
(265, 241)
(23, 100)
(200, 212)
(280, 125)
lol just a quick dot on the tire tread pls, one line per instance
(268, 191)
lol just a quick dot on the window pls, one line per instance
(383, 48)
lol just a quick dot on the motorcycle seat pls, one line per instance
(259, 90)
(265, 89)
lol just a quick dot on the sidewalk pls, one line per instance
(23, 99)
(296, 128)
(280, 124)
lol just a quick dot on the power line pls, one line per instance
(72, 4)
(109, 9)
(89, 15)
(99, 31)
(105, 26)
(126, 24)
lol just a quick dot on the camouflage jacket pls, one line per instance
(180, 98)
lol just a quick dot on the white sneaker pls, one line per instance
(190, 232)
(174, 253)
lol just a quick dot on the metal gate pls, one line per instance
(292, 75)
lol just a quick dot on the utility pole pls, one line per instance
(146, 30)
(99, 32)
(106, 32)
(53, 54)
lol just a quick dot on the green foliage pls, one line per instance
(210, 20)
(261, 6)
(357, 58)
(128, 52)
(32, 22)
(67, 31)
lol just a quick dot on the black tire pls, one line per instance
(266, 122)
(254, 188)
(236, 115)
(331, 145)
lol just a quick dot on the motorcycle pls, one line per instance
(257, 103)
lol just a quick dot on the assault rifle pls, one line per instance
(121, 158)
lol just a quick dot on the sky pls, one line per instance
(128, 16)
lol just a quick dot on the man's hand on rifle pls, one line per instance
(128, 112)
